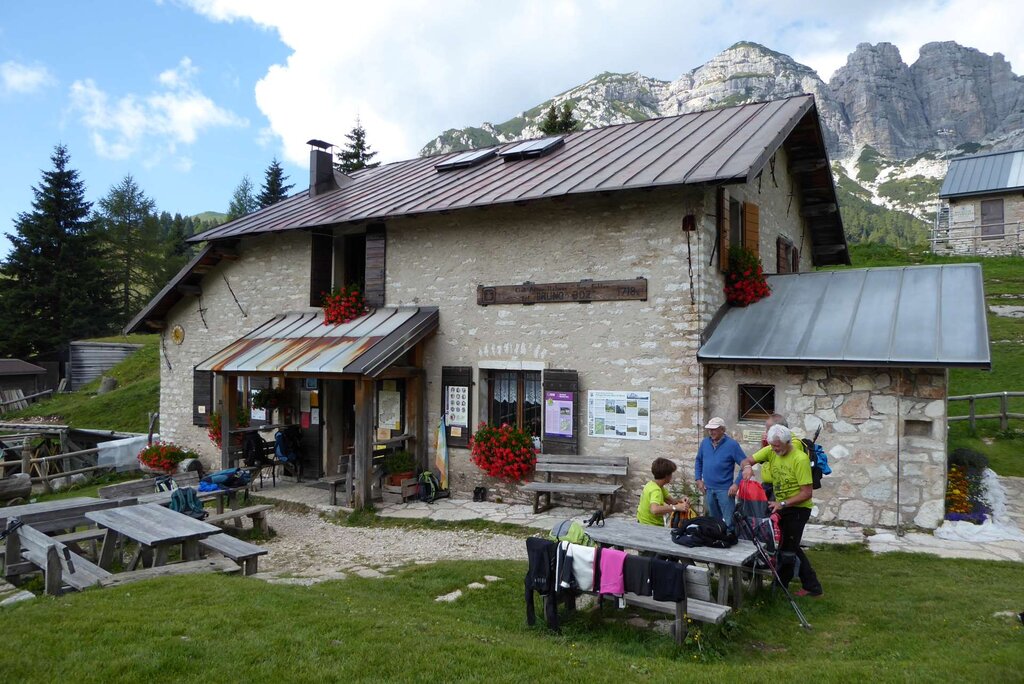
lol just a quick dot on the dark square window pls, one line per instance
(757, 402)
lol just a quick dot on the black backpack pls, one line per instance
(430, 486)
(704, 531)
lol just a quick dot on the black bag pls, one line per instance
(704, 531)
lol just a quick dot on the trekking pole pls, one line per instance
(775, 573)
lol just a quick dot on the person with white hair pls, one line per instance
(791, 477)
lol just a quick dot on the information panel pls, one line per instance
(621, 415)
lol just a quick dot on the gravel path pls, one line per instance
(308, 546)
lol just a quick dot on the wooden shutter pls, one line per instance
(458, 376)
(723, 229)
(796, 260)
(376, 242)
(568, 382)
(202, 397)
(321, 267)
(780, 255)
(751, 228)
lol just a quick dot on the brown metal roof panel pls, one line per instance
(418, 325)
(688, 164)
(19, 367)
(737, 155)
(168, 296)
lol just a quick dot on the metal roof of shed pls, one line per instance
(300, 344)
(19, 367)
(906, 316)
(728, 145)
(984, 174)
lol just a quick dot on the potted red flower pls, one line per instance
(344, 305)
(504, 452)
(744, 279)
(164, 457)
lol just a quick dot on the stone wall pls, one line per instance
(866, 414)
(963, 236)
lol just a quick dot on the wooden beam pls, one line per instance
(193, 290)
(364, 440)
(809, 165)
(819, 209)
(401, 372)
(229, 252)
(154, 325)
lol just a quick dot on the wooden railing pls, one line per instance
(973, 416)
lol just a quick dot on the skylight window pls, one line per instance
(532, 148)
(466, 159)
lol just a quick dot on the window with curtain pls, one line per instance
(515, 397)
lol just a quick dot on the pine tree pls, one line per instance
(274, 190)
(52, 286)
(357, 154)
(242, 200)
(132, 232)
(559, 121)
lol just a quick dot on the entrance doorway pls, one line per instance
(339, 423)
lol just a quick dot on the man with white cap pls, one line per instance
(717, 458)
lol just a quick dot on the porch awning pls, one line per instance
(300, 344)
(906, 316)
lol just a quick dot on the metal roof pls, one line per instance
(300, 344)
(19, 367)
(728, 145)
(984, 174)
(907, 316)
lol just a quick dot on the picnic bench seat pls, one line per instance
(585, 466)
(61, 567)
(144, 490)
(258, 515)
(343, 479)
(240, 551)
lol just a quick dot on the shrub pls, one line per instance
(504, 452)
(213, 430)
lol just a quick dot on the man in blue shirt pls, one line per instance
(717, 458)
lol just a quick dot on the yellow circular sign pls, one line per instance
(177, 334)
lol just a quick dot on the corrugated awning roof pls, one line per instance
(984, 174)
(300, 344)
(19, 367)
(728, 145)
(908, 316)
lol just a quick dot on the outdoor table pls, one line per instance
(228, 493)
(155, 528)
(629, 534)
(46, 515)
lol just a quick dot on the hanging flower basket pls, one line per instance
(744, 280)
(965, 490)
(213, 429)
(164, 457)
(270, 398)
(344, 305)
(504, 452)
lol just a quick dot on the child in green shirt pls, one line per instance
(655, 501)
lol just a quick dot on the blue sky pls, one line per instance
(188, 96)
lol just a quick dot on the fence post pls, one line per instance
(970, 413)
(1004, 420)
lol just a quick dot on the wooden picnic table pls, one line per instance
(155, 528)
(629, 534)
(48, 515)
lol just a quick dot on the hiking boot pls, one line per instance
(478, 494)
(804, 592)
(483, 494)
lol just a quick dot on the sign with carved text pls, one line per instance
(545, 293)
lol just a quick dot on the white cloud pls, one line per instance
(409, 69)
(156, 124)
(24, 78)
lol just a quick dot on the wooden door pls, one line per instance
(338, 406)
(992, 219)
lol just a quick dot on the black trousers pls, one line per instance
(792, 560)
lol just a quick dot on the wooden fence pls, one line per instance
(973, 416)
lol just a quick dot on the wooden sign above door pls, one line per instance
(582, 291)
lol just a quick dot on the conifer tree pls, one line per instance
(357, 154)
(558, 121)
(242, 200)
(274, 188)
(53, 287)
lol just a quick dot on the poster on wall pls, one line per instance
(621, 415)
(558, 414)
(458, 407)
(389, 410)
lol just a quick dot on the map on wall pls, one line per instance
(619, 415)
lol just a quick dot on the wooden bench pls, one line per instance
(343, 479)
(240, 551)
(258, 515)
(592, 466)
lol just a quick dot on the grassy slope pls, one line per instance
(1004, 284)
(126, 408)
(192, 628)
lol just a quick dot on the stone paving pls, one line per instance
(881, 541)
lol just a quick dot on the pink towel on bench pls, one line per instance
(612, 561)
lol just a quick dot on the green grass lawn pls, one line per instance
(893, 617)
(125, 409)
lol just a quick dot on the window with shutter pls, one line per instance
(796, 260)
(751, 228)
(723, 229)
(376, 242)
(457, 403)
(202, 397)
(783, 255)
(321, 267)
(561, 412)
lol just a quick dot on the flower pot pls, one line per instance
(396, 479)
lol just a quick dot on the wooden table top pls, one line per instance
(152, 525)
(56, 507)
(630, 534)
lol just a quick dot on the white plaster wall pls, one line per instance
(860, 411)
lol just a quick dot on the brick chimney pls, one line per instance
(323, 177)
